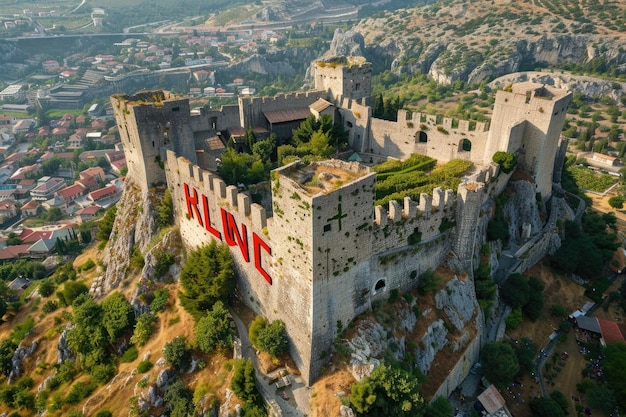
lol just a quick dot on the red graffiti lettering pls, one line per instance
(192, 204)
(207, 218)
(258, 243)
(232, 235)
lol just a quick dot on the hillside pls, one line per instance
(479, 41)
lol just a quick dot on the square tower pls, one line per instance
(344, 77)
(325, 211)
(527, 120)
(150, 122)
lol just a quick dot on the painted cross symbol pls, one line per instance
(338, 216)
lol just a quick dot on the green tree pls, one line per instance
(118, 316)
(105, 227)
(602, 398)
(514, 319)
(243, 382)
(532, 309)
(7, 349)
(273, 338)
(440, 407)
(46, 288)
(614, 366)
(143, 329)
(161, 297)
(258, 324)
(561, 400)
(545, 407)
(213, 331)
(392, 392)
(71, 290)
(526, 350)
(500, 363)
(179, 399)
(177, 354)
(165, 217)
(515, 291)
(206, 277)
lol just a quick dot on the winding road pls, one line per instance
(297, 404)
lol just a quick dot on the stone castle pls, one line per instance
(320, 253)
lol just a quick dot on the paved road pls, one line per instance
(297, 403)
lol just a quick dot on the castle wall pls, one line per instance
(356, 120)
(462, 367)
(268, 280)
(425, 134)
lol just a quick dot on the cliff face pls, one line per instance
(134, 227)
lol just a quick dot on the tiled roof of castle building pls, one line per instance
(289, 115)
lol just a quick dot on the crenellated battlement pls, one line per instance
(212, 184)
(282, 97)
(423, 120)
(426, 207)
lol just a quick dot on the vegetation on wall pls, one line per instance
(506, 160)
(415, 176)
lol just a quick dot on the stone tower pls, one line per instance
(149, 123)
(325, 210)
(344, 77)
(527, 120)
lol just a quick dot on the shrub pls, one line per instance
(89, 264)
(176, 353)
(144, 366)
(79, 391)
(506, 160)
(129, 355)
(161, 297)
(273, 338)
(46, 288)
(49, 306)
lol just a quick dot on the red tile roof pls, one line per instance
(610, 331)
(68, 193)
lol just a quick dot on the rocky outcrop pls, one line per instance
(503, 44)
(349, 43)
(260, 65)
(423, 62)
(589, 86)
(170, 243)
(64, 353)
(458, 302)
(522, 212)
(18, 357)
(134, 226)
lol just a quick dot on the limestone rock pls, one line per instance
(370, 341)
(165, 377)
(64, 352)
(433, 340)
(522, 209)
(458, 301)
(346, 411)
(18, 356)
(260, 65)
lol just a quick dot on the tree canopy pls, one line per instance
(206, 277)
(388, 391)
(213, 331)
(500, 363)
